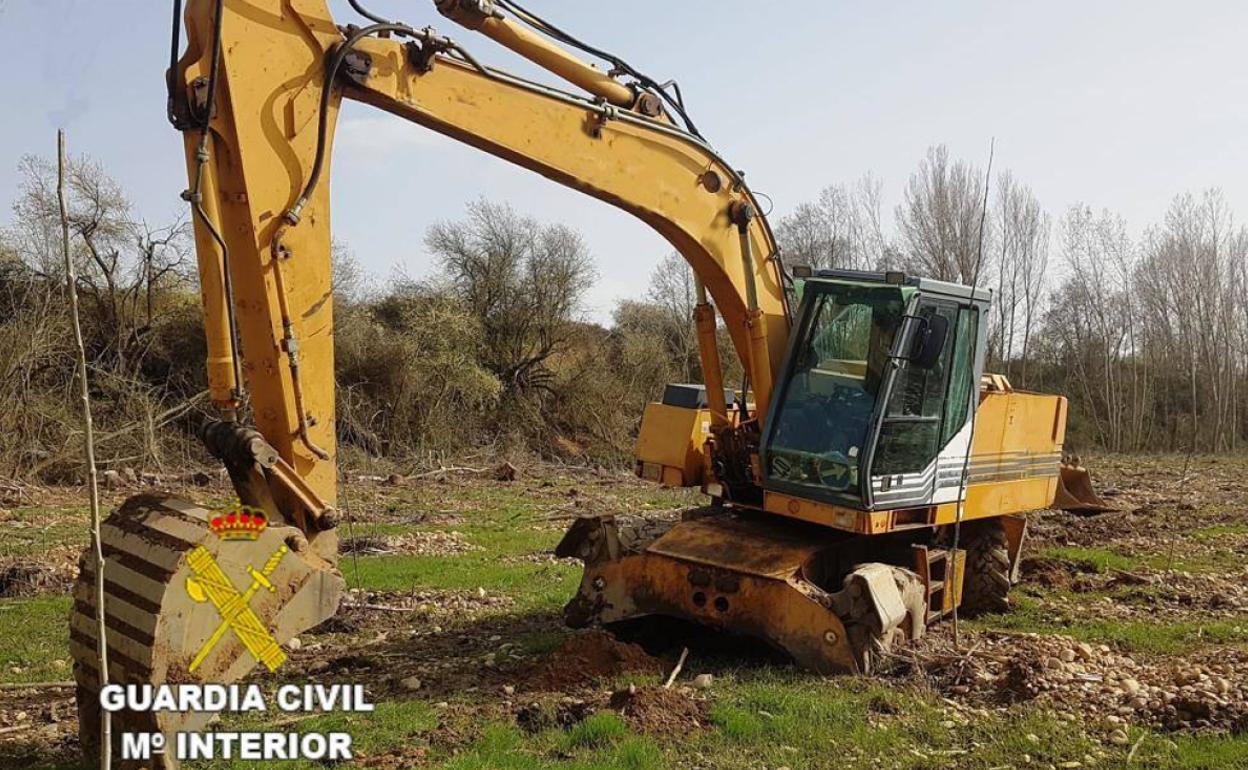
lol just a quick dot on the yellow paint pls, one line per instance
(1009, 426)
(262, 149)
(1015, 421)
(770, 608)
(669, 444)
(1000, 498)
(263, 142)
(652, 175)
(541, 52)
(708, 351)
(816, 512)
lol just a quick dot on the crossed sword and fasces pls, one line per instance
(209, 583)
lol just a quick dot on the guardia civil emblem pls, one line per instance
(209, 583)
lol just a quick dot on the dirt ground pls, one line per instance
(1129, 631)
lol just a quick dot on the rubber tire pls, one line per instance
(986, 584)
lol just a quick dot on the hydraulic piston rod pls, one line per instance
(481, 16)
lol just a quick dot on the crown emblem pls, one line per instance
(239, 523)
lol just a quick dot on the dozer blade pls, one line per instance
(184, 606)
(754, 577)
(1075, 491)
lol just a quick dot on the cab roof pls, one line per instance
(927, 286)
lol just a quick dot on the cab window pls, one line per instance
(910, 436)
(824, 410)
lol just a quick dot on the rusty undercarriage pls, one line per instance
(829, 600)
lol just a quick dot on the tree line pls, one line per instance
(1146, 335)
(489, 353)
(492, 351)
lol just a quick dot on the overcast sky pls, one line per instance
(1114, 103)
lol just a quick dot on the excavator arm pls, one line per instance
(263, 239)
(256, 94)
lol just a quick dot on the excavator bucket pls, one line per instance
(184, 605)
(746, 576)
(1075, 491)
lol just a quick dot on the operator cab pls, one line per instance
(873, 409)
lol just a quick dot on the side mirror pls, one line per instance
(929, 341)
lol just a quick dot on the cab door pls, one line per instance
(924, 431)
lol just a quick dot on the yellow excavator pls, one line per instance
(866, 482)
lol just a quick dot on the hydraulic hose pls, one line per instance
(361, 10)
(293, 214)
(277, 250)
(195, 196)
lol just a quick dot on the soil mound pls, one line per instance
(537, 716)
(1052, 573)
(588, 657)
(658, 711)
(29, 578)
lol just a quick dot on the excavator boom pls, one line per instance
(256, 93)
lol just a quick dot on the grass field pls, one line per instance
(484, 603)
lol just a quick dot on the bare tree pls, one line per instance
(409, 373)
(643, 332)
(122, 262)
(1192, 281)
(841, 229)
(673, 292)
(939, 219)
(522, 280)
(1023, 242)
(351, 280)
(1092, 318)
(132, 285)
